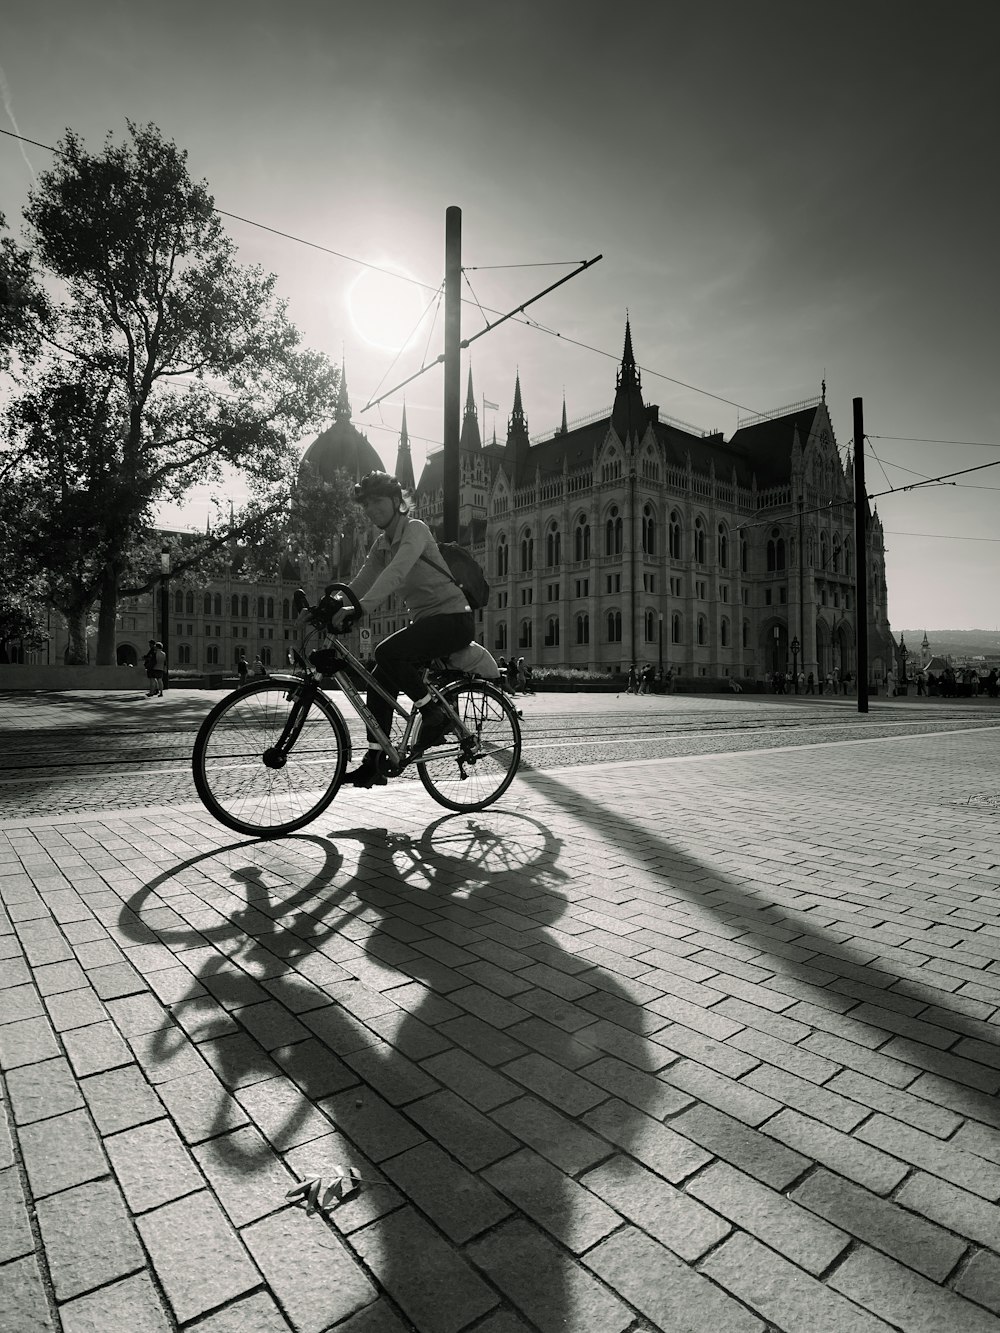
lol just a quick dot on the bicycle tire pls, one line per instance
(230, 775)
(466, 785)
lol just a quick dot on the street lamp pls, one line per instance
(165, 610)
(795, 663)
(904, 653)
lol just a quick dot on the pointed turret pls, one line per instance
(564, 429)
(342, 410)
(517, 435)
(470, 440)
(628, 416)
(404, 462)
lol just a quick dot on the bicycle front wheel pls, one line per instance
(475, 780)
(250, 795)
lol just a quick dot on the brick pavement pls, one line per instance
(696, 1044)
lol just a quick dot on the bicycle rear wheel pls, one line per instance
(473, 781)
(235, 783)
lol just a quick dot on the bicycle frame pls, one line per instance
(398, 756)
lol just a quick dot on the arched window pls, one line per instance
(848, 560)
(650, 626)
(234, 605)
(217, 604)
(675, 627)
(184, 654)
(524, 634)
(270, 608)
(206, 605)
(723, 546)
(746, 634)
(581, 539)
(553, 545)
(613, 532)
(212, 654)
(744, 554)
(775, 551)
(260, 608)
(245, 607)
(189, 603)
(552, 632)
(285, 608)
(837, 552)
(824, 551)
(702, 630)
(502, 635)
(780, 552)
(648, 530)
(674, 535)
(527, 553)
(724, 632)
(265, 656)
(503, 557)
(179, 601)
(699, 540)
(614, 627)
(583, 628)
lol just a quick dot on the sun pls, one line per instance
(384, 310)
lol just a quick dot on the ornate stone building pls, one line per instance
(633, 537)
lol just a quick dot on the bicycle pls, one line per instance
(271, 756)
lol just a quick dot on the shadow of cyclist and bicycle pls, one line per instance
(303, 948)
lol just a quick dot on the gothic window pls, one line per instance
(744, 555)
(502, 635)
(837, 553)
(245, 606)
(583, 628)
(824, 551)
(613, 532)
(285, 608)
(184, 654)
(207, 604)
(746, 634)
(178, 600)
(503, 557)
(775, 551)
(581, 539)
(217, 604)
(524, 636)
(650, 626)
(648, 530)
(212, 654)
(848, 562)
(724, 632)
(675, 627)
(234, 605)
(265, 656)
(189, 603)
(270, 608)
(702, 629)
(675, 535)
(527, 553)
(553, 544)
(614, 627)
(699, 540)
(260, 608)
(552, 632)
(723, 546)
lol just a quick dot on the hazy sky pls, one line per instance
(780, 190)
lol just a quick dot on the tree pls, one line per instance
(21, 620)
(168, 365)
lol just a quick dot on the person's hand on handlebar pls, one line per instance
(341, 620)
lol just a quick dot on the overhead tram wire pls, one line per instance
(912, 439)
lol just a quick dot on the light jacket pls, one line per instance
(397, 567)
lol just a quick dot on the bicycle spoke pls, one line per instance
(480, 778)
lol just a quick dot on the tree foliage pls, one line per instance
(168, 365)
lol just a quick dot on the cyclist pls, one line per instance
(405, 560)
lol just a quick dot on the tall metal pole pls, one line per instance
(861, 555)
(452, 366)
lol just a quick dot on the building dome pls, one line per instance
(341, 447)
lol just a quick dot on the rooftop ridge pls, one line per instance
(785, 411)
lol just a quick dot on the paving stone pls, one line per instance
(249, 1180)
(203, 1018)
(252, 1314)
(196, 1255)
(120, 1099)
(472, 1080)
(980, 1281)
(19, 1002)
(568, 1211)
(883, 1225)
(166, 1054)
(896, 1103)
(954, 1208)
(15, 1229)
(735, 1099)
(132, 1304)
(284, 1115)
(644, 1091)
(749, 1149)
(843, 1153)
(807, 1241)
(467, 1134)
(647, 1139)
(313, 1068)
(271, 1024)
(481, 1040)
(902, 1296)
(454, 1199)
(781, 1293)
(553, 1291)
(323, 1158)
(552, 1083)
(116, 979)
(338, 1030)
(27, 1042)
(807, 1097)
(668, 1292)
(663, 1212)
(427, 1278)
(391, 1074)
(556, 1043)
(54, 978)
(152, 1165)
(380, 1318)
(61, 1152)
(75, 1009)
(24, 1306)
(42, 1090)
(89, 1238)
(940, 1159)
(93, 1049)
(875, 1064)
(201, 1107)
(560, 1140)
(377, 1129)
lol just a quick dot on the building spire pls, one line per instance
(404, 461)
(342, 410)
(470, 440)
(518, 421)
(564, 429)
(628, 416)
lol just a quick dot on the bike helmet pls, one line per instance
(376, 484)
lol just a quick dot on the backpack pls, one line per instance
(464, 570)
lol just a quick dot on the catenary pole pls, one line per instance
(452, 366)
(861, 555)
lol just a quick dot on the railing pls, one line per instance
(785, 411)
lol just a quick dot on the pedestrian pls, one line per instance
(632, 687)
(149, 663)
(831, 685)
(921, 682)
(242, 666)
(801, 682)
(810, 683)
(646, 678)
(159, 669)
(524, 677)
(258, 668)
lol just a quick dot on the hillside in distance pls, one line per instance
(957, 642)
